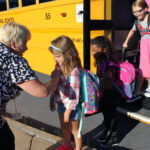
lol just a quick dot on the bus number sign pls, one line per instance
(47, 16)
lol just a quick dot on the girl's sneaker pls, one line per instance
(147, 92)
(63, 147)
(104, 134)
(110, 142)
(147, 89)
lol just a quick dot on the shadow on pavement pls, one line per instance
(124, 126)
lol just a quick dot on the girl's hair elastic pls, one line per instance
(56, 48)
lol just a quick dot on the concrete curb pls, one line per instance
(29, 138)
(33, 131)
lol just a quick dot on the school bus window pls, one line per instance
(3, 5)
(42, 1)
(28, 2)
(13, 3)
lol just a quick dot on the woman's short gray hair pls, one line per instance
(15, 32)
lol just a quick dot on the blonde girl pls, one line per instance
(140, 11)
(67, 93)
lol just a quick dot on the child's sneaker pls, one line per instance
(147, 94)
(147, 89)
(63, 147)
(104, 134)
(112, 141)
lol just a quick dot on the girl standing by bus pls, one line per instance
(67, 93)
(140, 11)
(110, 96)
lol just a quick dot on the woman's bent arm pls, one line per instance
(39, 89)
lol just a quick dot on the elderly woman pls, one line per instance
(16, 75)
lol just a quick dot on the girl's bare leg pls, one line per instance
(139, 84)
(65, 130)
(148, 80)
(74, 127)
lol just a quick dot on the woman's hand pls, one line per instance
(67, 115)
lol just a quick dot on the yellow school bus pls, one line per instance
(48, 19)
(78, 19)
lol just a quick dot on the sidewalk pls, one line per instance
(28, 138)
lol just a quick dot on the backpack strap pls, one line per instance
(82, 106)
(81, 119)
(136, 24)
(111, 63)
(82, 103)
(137, 50)
(148, 21)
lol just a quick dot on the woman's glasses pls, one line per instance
(138, 11)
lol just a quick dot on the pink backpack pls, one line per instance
(127, 77)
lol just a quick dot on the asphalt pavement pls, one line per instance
(133, 133)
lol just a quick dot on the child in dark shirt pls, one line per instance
(110, 96)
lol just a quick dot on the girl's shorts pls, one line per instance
(75, 114)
